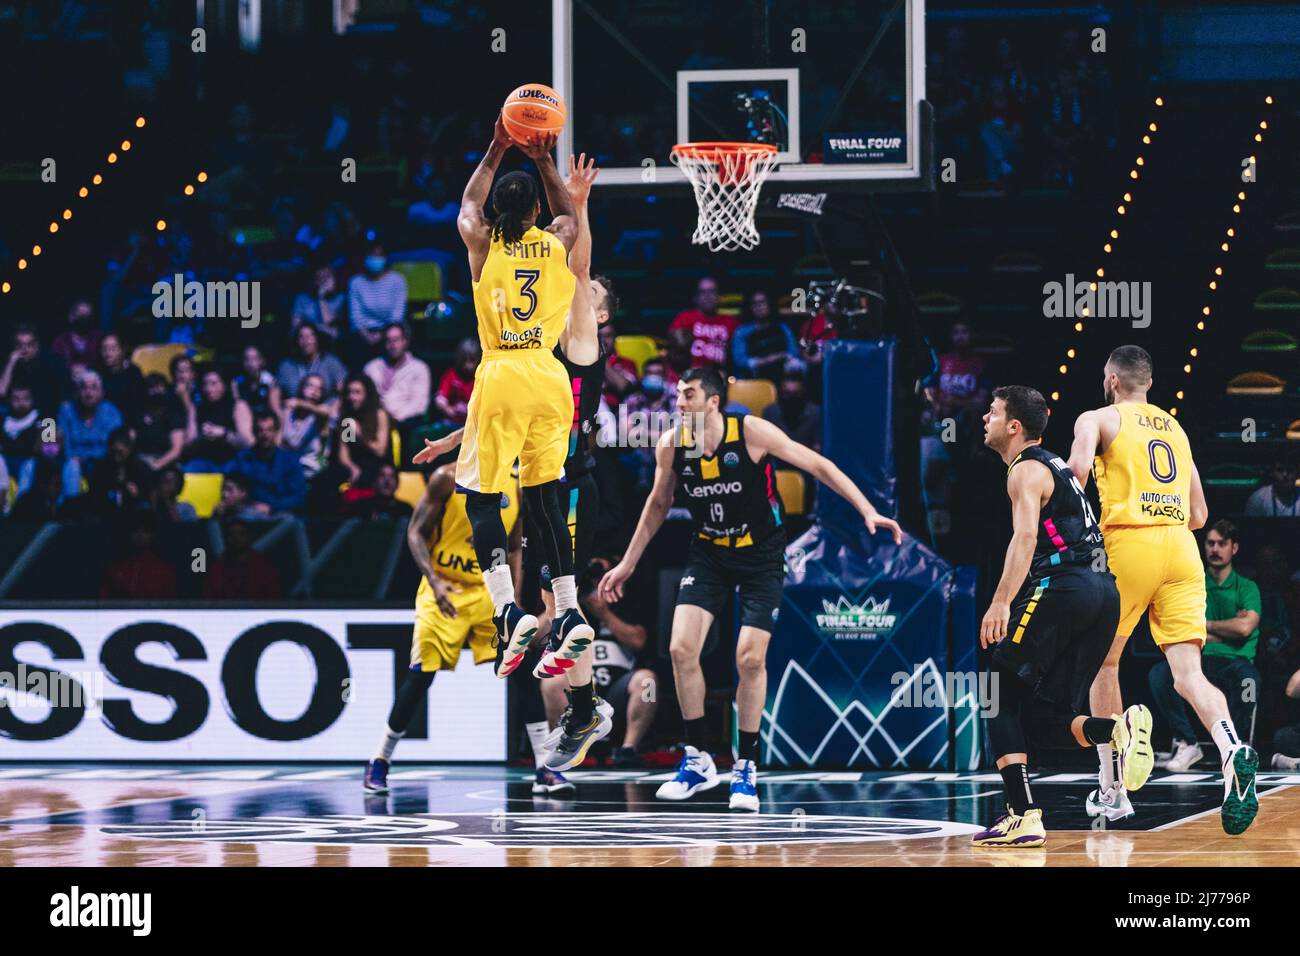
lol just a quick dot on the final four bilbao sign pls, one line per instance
(266, 684)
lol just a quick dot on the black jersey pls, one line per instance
(1068, 534)
(587, 382)
(732, 498)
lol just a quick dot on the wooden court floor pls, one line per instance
(486, 816)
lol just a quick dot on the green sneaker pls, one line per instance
(1240, 802)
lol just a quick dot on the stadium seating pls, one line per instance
(423, 281)
(410, 487)
(203, 491)
(638, 349)
(756, 394)
(793, 489)
(151, 359)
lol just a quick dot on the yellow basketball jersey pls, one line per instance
(1145, 475)
(453, 552)
(523, 295)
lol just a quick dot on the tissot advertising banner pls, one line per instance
(229, 685)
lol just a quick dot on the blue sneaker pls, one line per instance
(570, 636)
(744, 786)
(376, 777)
(695, 772)
(516, 629)
(549, 781)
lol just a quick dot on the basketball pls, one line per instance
(533, 109)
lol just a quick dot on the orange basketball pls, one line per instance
(532, 110)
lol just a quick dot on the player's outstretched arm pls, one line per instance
(422, 531)
(472, 222)
(652, 518)
(563, 224)
(764, 437)
(580, 339)
(1026, 487)
(434, 448)
(1087, 437)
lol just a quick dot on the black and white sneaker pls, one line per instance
(516, 629)
(570, 636)
(576, 739)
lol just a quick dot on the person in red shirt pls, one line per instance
(241, 573)
(621, 378)
(452, 396)
(961, 386)
(711, 332)
(141, 574)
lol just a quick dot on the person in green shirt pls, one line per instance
(1232, 609)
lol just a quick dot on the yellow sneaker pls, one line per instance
(1132, 742)
(1014, 831)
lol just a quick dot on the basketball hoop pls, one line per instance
(726, 178)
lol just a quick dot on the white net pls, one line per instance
(726, 178)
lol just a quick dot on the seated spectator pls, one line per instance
(241, 573)
(185, 379)
(711, 331)
(1001, 132)
(78, 344)
(376, 300)
(141, 574)
(120, 481)
(162, 424)
(379, 501)
(621, 379)
(794, 413)
(1286, 740)
(40, 503)
(1278, 499)
(437, 209)
(236, 499)
(20, 436)
(222, 426)
(362, 441)
(84, 425)
(45, 374)
(164, 498)
(457, 383)
(307, 425)
(256, 385)
(677, 353)
(325, 309)
(123, 382)
(310, 360)
(402, 380)
(763, 344)
(276, 477)
(1232, 606)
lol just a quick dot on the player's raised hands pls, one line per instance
(539, 145)
(499, 135)
(582, 173)
(875, 521)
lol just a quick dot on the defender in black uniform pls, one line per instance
(1051, 621)
(722, 464)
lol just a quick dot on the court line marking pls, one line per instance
(479, 795)
(1206, 813)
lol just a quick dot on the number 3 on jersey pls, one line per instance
(529, 276)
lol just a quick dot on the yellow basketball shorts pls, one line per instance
(1159, 567)
(521, 407)
(437, 639)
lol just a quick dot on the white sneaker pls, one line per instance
(1113, 804)
(695, 772)
(1283, 762)
(1186, 755)
(744, 786)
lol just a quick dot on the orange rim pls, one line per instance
(714, 151)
